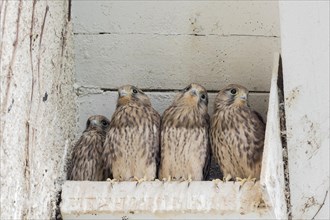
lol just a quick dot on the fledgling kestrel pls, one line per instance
(87, 162)
(185, 149)
(237, 134)
(132, 143)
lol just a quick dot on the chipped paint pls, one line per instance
(293, 94)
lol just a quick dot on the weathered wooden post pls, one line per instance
(37, 105)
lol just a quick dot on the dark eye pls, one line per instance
(88, 123)
(104, 123)
(233, 91)
(203, 96)
(135, 91)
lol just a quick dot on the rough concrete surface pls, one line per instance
(38, 111)
(171, 62)
(163, 200)
(258, 18)
(168, 44)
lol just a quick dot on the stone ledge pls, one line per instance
(161, 200)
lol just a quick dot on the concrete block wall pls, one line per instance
(163, 46)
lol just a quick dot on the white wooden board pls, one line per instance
(305, 41)
(171, 62)
(104, 103)
(163, 200)
(272, 174)
(177, 17)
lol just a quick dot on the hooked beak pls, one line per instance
(193, 92)
(122, 92)
(95, 123)
(243, 97)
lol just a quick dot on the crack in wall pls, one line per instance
(83, 90)
(176, 34)
(13, 56)
(321, 205)
(69, 10)
(31, 33)
(40, 43)
(27, 170)
(287, 192)
(3, 25)
(172, 90)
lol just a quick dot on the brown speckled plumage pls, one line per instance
(185, 149)
(237, 134)
(132, 143)
(87, 163)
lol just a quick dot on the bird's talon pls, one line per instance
(112, 181)
(138, 181)
(189, 179)
(227, 178)
(216, 182)
(182, 179)
(242, 181)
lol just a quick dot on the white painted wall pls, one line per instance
(37, 118)
(166, 45)
(305, 52)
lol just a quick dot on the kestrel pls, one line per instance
(185, 149)
(87, 162)
(237, 134)
(132, 143)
